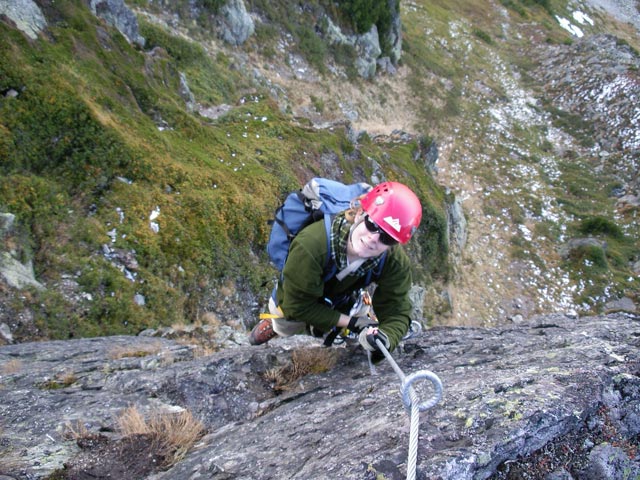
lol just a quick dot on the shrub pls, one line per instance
(600, 226)
(589, 255)
(363, 14)
(482, 35)
(213, 5)
(53, 133)
(345, 55)
(183, 51)
(516, 7)
(546, 4)
(312, 47)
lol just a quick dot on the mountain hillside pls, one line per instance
(145, 145)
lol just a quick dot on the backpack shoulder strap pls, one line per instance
(373, 275)
(279, 219)
(330, 267)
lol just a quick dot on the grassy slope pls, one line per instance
(525, 197)
(84, 161)
(89, 110)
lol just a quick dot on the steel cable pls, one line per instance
(411, 403)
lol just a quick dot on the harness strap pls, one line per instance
(352, 267)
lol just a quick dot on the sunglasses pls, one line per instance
(373, 227)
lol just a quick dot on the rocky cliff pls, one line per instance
(557, 397)
(552, 397)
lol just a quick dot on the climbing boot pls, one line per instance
(262, 332)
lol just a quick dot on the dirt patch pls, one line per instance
(132, 457)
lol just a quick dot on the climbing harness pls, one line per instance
(362, 306)
(411, 403)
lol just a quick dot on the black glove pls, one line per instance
(367, 339)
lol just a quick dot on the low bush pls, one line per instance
(600, 226)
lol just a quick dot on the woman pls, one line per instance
(364, 239)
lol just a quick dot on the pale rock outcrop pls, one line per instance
(26, 14)
(117, 14)
(234, 24)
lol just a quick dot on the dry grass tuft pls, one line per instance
(60, 380)
(118, 352)
(76, 431)
(208, 319)
(66, 379)
(173, 434)
(211, 319)
(202, 350)
(12, 366)
(304, 362)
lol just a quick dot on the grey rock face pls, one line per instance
(457, 225)
(234, 24)
(16, 271)
(510, 393)
(7, 221)
(597, 79)
(607, 462)
(116, 13)
(26, 14)
(367, 46)
(16, 274)
(395, 33)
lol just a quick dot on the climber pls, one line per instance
(363, 247)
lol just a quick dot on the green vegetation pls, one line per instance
(602, 269)
(99, 137)
(363, 14)
(520, 6)
(356, 16)
(435, 32)
(573, 124)
(314, 49)
(482, 35)
(600, 226)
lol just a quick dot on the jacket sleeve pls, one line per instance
(391, 301)
(301, 290)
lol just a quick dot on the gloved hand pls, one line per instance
(359, 324)
(368, 337)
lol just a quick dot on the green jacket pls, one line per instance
(301, 291)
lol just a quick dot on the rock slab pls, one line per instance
(556, 394)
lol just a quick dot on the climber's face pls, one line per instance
(365, 243)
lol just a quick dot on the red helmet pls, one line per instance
(395, 208)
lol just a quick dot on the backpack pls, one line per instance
(319, 198)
